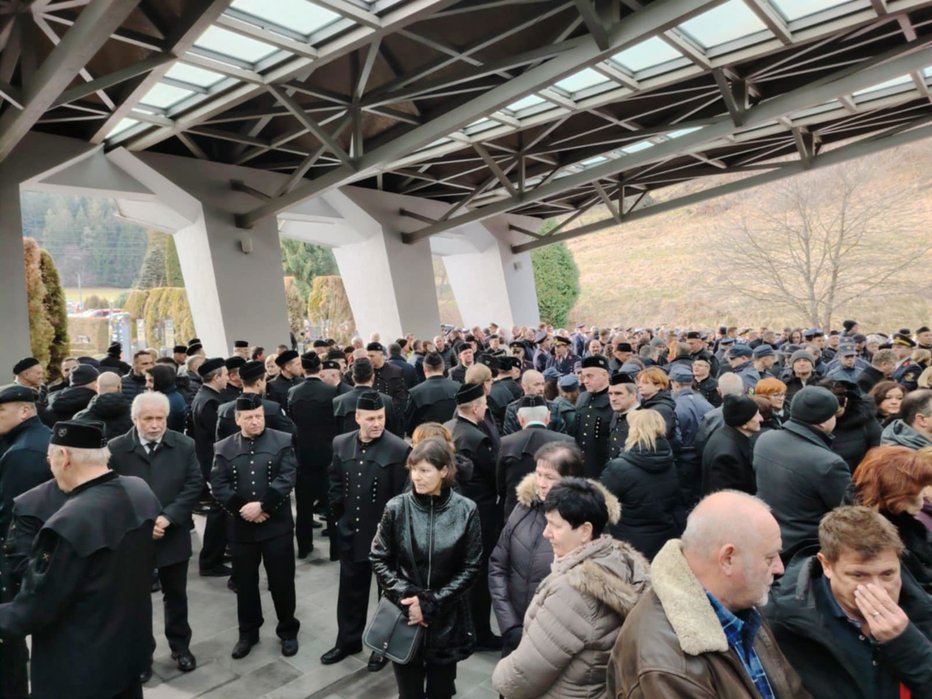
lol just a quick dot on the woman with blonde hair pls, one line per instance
(644, 479)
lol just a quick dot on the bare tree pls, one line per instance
(829, 240)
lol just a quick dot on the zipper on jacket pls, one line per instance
(430, 542)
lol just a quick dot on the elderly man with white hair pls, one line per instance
(166, 460)
(85, 596)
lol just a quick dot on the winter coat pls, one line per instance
(663, 403)
(801, 478)
(23, 465)
(521, 559)
(112, 409)
(572, 622)
(66, 403)
(799, 614)
(133, 385)
(726, 462)
(431, 547)
(917, 556)
(899, 434)
(165, 380)
(648, 488)
(672, 645)
(856, 431)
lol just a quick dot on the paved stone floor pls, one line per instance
(264, 673)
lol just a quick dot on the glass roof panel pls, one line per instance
(193, 75)
(798, 9)
(635, 147)
(903, 80)
(164, 96)
(927, 72)
(682, 132)
(581, 80)
(733, 20)
(646, 54)
(589, 162)
(524, 103)
(298, 15)
(481, 125)
(122, 125)
(234, 45)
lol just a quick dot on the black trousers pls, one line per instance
(411, 679)
(480, 601)
(215, 538)
(277, 555)
(174, 581)
(353, 602)
(305, 497)
(14, 679)
(134, 691)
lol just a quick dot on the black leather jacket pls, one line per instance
(431, 547)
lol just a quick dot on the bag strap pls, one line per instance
(415, 572)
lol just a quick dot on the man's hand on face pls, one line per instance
(884, 617)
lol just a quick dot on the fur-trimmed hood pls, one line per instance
(608, 570)
(526, 492)
(685, 603)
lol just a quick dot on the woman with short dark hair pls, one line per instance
(522, 556)
(577, 611)
(426, 555)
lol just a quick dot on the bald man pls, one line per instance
(109, 407)
(698, 633)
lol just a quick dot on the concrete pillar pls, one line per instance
(35, 154)
(390, 285)
(233, 276)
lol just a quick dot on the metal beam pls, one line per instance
(859, 149)
(89, 33)
(873, 71)
(655, 18)
(305, 120)
(198, 15)
(114, 78)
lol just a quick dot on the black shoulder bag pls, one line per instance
(388, 632)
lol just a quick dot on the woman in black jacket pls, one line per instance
(522, 556)
(893, 481)
(856, 428)
(644, 479)
(654, 388)
(426, 555)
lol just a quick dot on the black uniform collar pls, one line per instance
(108, 476)
(366, 445)
(24, 425)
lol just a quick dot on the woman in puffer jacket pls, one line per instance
(577, 611)
(522, 556)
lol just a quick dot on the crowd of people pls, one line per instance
(641, 512)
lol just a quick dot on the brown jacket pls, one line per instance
(572, 623)
(672, 645)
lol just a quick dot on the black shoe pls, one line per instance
(184, 660)
(336, 654)
(315, 524)
(289, 647)
(231, 585)
(304, 552)
(145, 675)
(376, 662)
(490, 642)
(242, 647)
(156, 586)
(220, 571)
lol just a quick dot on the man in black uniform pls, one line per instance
(291, 374)
(594, 415)
(252, 375)
(167, 462)
(204, 410)
(23, 464)
(501, 393)
(344, 406)
(93, 557)
(699, 350)
(623, 397)
(114, 360)
(310, 405)
(367, 471)
(432, 400)
(390, 381)
(516, 456)
(234, 381)
(252, 478)
(473, 443)
(465, 356)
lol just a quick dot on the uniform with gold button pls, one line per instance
(253, 475)
(593, 421)
(367, 471)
